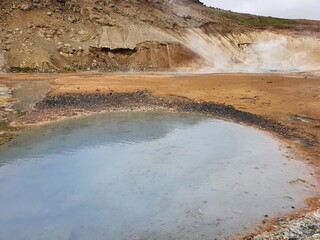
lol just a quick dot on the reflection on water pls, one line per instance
(143, 176)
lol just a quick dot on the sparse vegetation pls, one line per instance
(258, 20)
(22, 70)
(69, 69)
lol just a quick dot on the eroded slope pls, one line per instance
(148, 35)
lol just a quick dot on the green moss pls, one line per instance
(22, 70)
(266, 21)
(257, 20)
(69, 69)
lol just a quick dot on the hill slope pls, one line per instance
(149, 35)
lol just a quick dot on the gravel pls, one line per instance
(304, 228)
(142, 99)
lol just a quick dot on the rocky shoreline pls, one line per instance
(7, 114)
(69, 105)
(306, 227)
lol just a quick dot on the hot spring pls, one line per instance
(145, 176)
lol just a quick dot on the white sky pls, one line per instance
(299, 9)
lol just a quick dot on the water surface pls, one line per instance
(144, 176)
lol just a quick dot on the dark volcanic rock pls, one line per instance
(98, 101)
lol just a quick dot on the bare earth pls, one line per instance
(291, 100)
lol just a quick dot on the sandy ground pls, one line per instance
(292, 100)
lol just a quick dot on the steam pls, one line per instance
(274, 55)
(271, 54)
(209, 49)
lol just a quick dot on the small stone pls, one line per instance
(49, 13)
(25, 7)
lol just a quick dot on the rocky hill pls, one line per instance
(149, 35)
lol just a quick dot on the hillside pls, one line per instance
(150, 35)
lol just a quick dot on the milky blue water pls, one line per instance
(144, 176)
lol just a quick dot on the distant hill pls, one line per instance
(149, 35)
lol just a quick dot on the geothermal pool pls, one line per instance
(144, 176)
